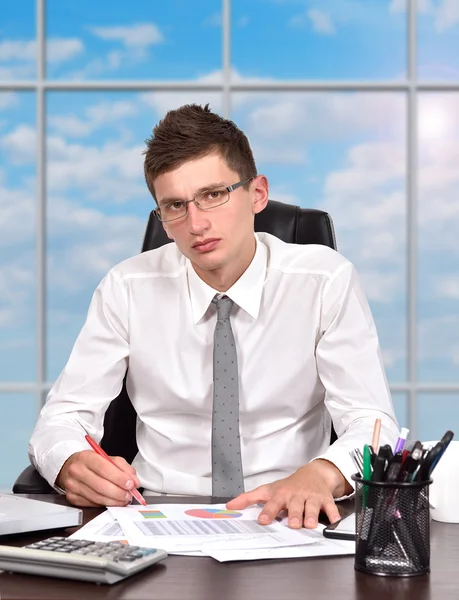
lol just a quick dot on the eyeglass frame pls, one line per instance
(228, 188)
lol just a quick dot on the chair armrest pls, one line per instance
(31, 482)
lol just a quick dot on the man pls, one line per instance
(249, 409)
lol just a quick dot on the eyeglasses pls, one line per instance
(206, 200)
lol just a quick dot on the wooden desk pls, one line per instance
(195, 578)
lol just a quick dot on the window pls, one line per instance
(368, 130)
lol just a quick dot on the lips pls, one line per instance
(206, 245)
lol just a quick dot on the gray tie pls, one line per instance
(227, 476)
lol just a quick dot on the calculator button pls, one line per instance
(81, 543)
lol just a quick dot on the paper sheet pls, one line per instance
(210, 530)
(103, 528)
(324, 547)
(207, 527)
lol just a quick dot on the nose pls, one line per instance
(198, 220)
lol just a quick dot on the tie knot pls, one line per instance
(224, 306)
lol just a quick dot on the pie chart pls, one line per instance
(213, 513)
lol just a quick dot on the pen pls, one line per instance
(367, 462)
(401, 440)
(95, 446)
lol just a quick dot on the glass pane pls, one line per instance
(17, 237)
(18, 414)
(17, 40)
(320, 39)
(98, 202)
(134, 40)
(400, 401)
(438, 40)
(438, 292)
(436, 414)
(344, 153)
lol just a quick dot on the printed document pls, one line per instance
(211, 529)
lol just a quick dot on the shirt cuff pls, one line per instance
(52, 462)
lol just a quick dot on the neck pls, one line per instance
(224, 278)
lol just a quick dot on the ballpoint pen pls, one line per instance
(95, 446)
(358, 463)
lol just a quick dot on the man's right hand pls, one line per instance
(91, 480)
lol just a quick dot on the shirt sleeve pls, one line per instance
(351, 369)
(93, 377)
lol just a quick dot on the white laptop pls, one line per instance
(20, 515)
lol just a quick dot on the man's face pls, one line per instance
(220, 238)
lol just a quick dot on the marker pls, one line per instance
(401, 440)
(95, 446)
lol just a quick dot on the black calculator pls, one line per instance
(99, 562)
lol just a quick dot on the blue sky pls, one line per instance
(344, 152)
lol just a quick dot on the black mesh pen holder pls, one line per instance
(392, 527)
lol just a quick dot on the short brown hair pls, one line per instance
(191, 132)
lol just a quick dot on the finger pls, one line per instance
(259, 494)
(106, 470)
(127, 468)
(296, 512)
(95, 497)
(271, 509)
(82, 477)
(331, 511)
(311, 512)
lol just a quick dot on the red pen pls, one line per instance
(95, 446)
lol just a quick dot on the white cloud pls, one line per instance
(135, 41)
(58, 50)
(371, 165)
(8, 99)
(26, 71)
(111, 172)
(163, 102)
(322, 116)
(438, 338)
(95, 242)
(445, 13)
(109, 63)
(380, 287)
(20, 144)
(321, 21)
(448, 287)
(17, 206)
(133, 36)
(17, 50)
(94, 117)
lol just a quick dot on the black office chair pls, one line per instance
(290, 224)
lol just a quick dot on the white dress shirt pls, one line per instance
(307, 350)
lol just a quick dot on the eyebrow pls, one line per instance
(205, 188)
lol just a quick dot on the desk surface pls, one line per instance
(193, 578)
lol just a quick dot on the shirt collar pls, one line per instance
(246, 292)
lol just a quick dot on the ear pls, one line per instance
(260, 191)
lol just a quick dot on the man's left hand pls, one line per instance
(303, 494)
